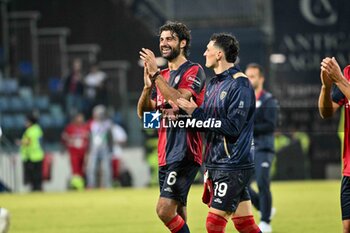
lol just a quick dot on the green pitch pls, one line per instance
(301, 207)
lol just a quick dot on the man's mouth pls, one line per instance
(166, 50)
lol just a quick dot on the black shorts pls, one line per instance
(175, 180)
(229, 188)
(345, 198)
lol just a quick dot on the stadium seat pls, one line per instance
(16, 104)
(9, 86)
(19, 121)
(28, 104)
(25, 92)
(4, 103)
(58, 121)
(41, 103)
(7, 121)
(46, 121)
(25, 68)
(54, 84)
(56, 109)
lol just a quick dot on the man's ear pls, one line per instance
(219, 55)
(183, 44)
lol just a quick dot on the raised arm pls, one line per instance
(326, 106)
(145, 102)
(167, 91)
(331, 66)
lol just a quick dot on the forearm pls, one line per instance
(167, 91)
(325, 105)
(145, 103)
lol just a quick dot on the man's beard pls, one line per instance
(175, 52)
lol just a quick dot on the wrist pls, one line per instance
(147, 88)
(155, 75)
(324, 86)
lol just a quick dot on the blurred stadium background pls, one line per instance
(39, 39)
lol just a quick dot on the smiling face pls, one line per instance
(169, 45)
(212, 54)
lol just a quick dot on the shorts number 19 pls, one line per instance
(220, 189)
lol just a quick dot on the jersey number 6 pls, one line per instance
(171, 178)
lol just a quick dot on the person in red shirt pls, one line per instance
(179, 149)
(76, 139)
(330, 100)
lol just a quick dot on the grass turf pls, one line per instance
(310, 206)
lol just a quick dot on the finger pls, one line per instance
(323, 63)
(173, 105)
(325, 66)
(334, 60)
(143, 53)
(148, 52)
(146, 68)
(182, 101)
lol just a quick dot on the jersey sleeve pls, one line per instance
(337, 96)
(347, 72)
(193, 80)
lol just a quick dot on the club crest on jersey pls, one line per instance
(223, 95)
(177, 79)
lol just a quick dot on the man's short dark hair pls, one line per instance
(32, 118)
(256, 66)
(181, 31)
(228, 43)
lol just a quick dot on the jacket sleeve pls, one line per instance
(268, 122)
(238, 109)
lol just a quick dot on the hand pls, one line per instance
(325, 79)
(146, 77)
(187, 106)
(171, 113)
(148, 57)
(331, 66)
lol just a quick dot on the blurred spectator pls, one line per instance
(101, 143)
(119, 139)
(265, 122)
(76, 138)
(32, 153)
(73, 88)
(95, 83)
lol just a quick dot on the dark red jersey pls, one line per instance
(339, 97)
(76, 137)
(176, 144)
